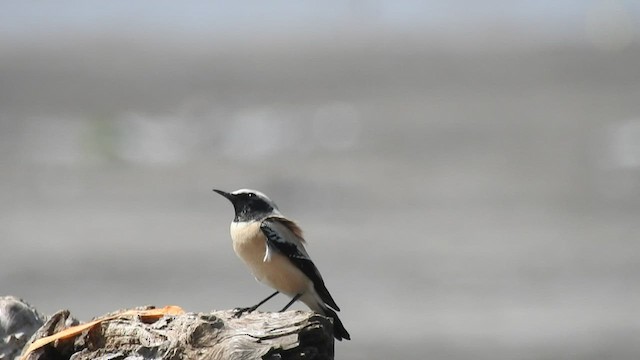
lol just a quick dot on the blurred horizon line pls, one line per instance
(464, 24)
(499, 36)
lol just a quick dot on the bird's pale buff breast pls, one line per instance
(250, 245)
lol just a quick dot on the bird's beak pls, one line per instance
(229, 196)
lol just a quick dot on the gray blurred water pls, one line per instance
(461, 202)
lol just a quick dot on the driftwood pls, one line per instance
(215, 335)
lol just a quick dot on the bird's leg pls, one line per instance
(295, 298)
(240, 311)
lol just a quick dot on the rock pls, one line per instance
(18, 322)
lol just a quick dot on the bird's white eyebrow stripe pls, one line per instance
(259, 194)
(247, 191)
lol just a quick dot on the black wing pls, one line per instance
(299, 258)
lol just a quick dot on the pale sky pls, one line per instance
(24, 17)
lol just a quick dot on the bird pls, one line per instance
(272, 246)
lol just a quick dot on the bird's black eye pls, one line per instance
(251, 195)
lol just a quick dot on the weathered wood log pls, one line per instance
(215, 335)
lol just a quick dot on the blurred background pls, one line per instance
(467, 173)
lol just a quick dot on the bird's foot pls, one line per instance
(240, 311)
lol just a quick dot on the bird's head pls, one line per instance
(250, 205)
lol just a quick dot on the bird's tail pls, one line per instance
(338, 329)
(315, 303)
